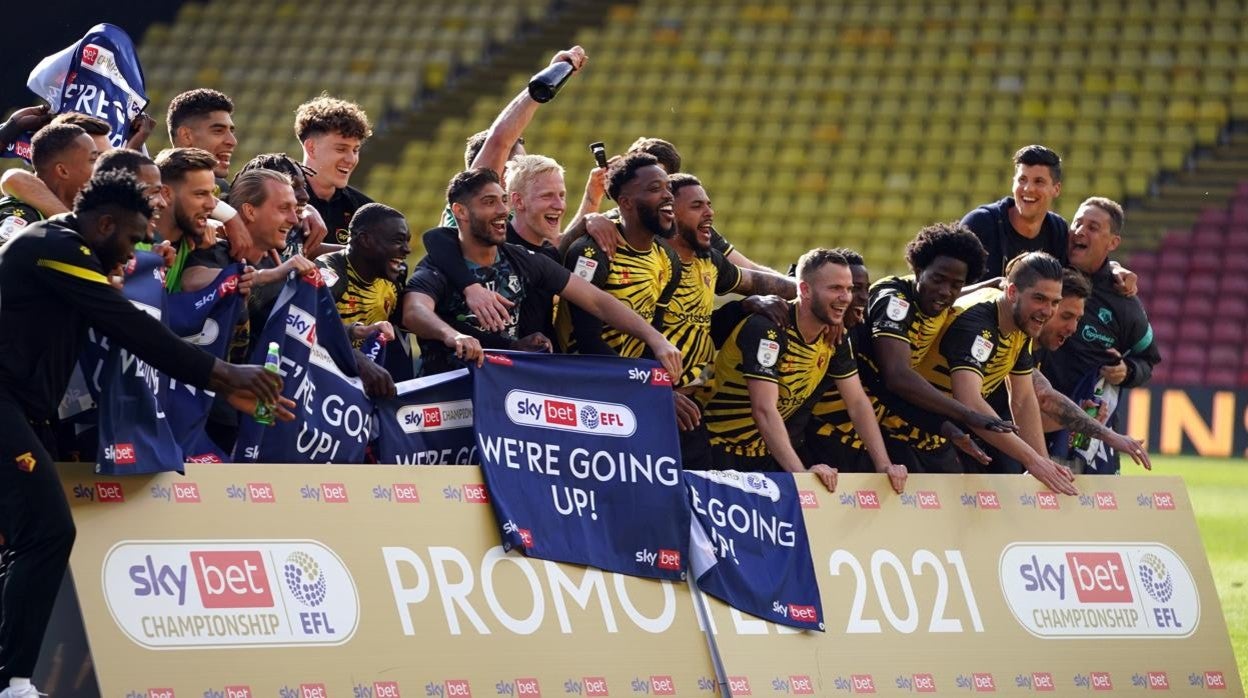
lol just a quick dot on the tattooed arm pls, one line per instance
(1058, 409)
(761, 283)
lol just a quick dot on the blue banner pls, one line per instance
(134, 434)
(428, 423)
(333, 416)
(582, 460)
(206, 318)
(748, 545)
(98, 75)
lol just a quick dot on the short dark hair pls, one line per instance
(947, 240)
(1039, 155)
(476, 142)
(325, 114)
(1075, 284)
(624, 170)
(466, 184)
(1111, 207)
(277, 162)
(88, 123)
(51, 141)
(816, 259)
(113, 188)
(1029, 268)
(369, 216)
(680, 180)
(193, 104)
(175, 163)
(122, 159)
(668, 156)
(854, 259)
(252, 187)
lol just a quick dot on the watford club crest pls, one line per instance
(706, 279)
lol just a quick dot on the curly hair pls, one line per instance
(947, 240)
(467, 183)
(680, 180)
(324, 114)
(51, 141)
(122, 159)
(624, 170)
(113, 188)
(194, 104)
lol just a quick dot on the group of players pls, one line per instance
(818, 371)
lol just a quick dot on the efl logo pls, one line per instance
(668, 560)
(528, 409)
(862, 683)
(123, 454)
(924, 683)
(312, 690)
(1214, 681)
(1106, 500)
(528, 687)
(476, 494)
(1099, 577)
(928, 500)
(1042, 681)
(160, 693)
(90, 52)
(238, 692)
(1047, 500)
(406, 493)
(801, 685)
(1101, 681)
(232, 579)
(804, 614)
(868, 499)
(984, 683)
(807, 499)
(334, 492)
(1163, 500)
(109, 492)
(1158, 681)
(187, 493)
(458, 687)
(740, 686)
(595, 686)
(386, 689)
(988, 500)
(261, 492)
(662, 686)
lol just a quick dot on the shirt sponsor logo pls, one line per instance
(1069, 590)
(240, 593)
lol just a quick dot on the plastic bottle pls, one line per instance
(265, 414)
(1082, 441)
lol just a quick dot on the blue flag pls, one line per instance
(428, 423)
(582, 460)
(207, 319)
(334, 417)
(134, 434)
(748, 545)
(98, 75)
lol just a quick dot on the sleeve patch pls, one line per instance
(897, 308)
(585, 268)
(329, 276)
(768, 352)
(981, 349)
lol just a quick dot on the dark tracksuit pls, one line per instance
(52, 287)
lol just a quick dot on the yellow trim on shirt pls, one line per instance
(73, 270)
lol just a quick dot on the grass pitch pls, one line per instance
(1219, 492)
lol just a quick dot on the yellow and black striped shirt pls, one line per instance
(758, 349)
(687, 320)
(644, 280)
(357, 300)
(973, 341)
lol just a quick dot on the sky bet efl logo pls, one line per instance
(1099, 590)
(196, 594)
(529, 409)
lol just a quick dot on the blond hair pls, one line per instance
(523, 170)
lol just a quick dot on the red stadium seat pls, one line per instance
(1239, 213)
(1237, 239)
(1196, 308)
(1200, 284)
(1166, 307)
(1232, 309)
(1143, 263)
(1233, 285)
(1221, 377)
(1164, 329)
(1241, 192)
(1214, 216)
(1225, 356)
(1223, 332)
(1193, 330)
(1161, 372)
(1205, 262)
(1173, 259)
(1243, 378)
(1208, 237)
(1186, 375)
(1167, 284)
(1191, 355)
(1235, 262)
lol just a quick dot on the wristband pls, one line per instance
(223, 212)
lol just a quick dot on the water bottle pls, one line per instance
(545, 85)
(1082, 441)
(266, 414)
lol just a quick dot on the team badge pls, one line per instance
(981, 349)
(768, 352)
(897, 308)
(26, 462)
(585, 267)
(706, 279)
(329, 276)
(1105, 316)
(513, 284)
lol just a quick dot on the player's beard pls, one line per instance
(479, 228)
(649, 217)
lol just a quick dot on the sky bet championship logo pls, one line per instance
(570, 414)
(1071, 590)
(203, 594)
